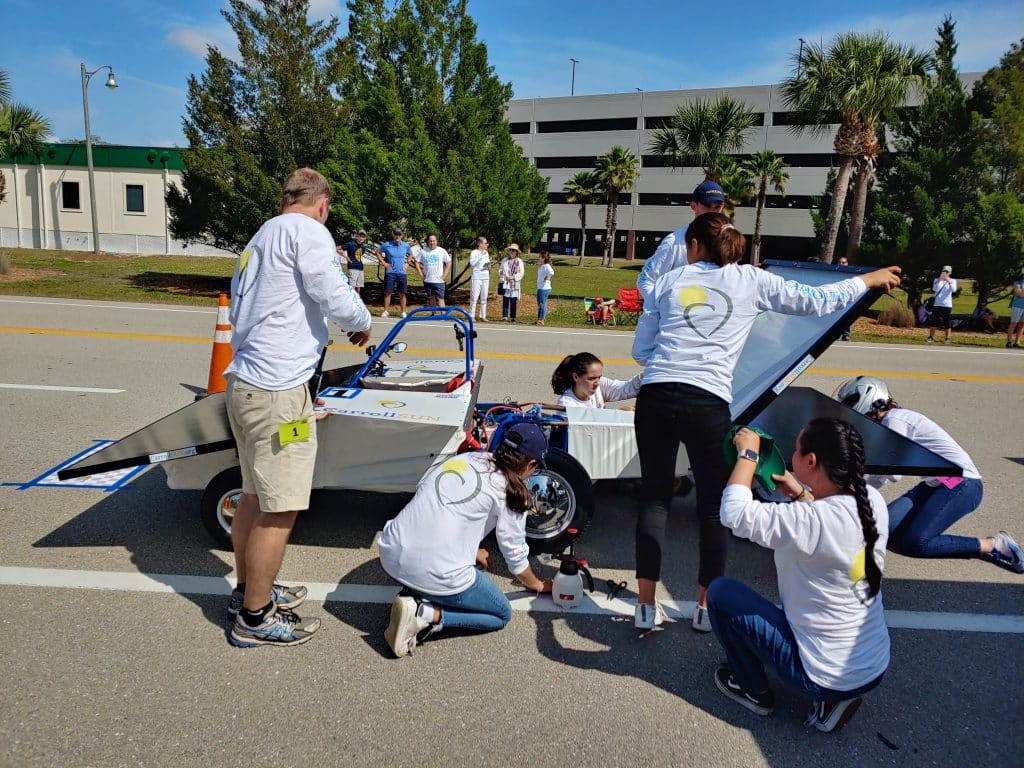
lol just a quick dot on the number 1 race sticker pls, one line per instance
(293, 432)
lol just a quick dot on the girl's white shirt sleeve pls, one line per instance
(615, 389)
(510, 532)
(794, 523)
(793, 298)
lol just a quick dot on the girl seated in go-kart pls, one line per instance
(579, 381)
(433, 546)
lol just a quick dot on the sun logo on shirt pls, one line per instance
(459, 468)
(710, 307)
(858, 577)
(247, 269)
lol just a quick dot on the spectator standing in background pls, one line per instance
(353, 251)
(434, 264)
(544, 274)
(1016, 313)
(393, 256)
(480, 280)
(943, 286)
(512, 271)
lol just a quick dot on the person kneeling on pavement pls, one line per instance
(829, 641)
(433, 547)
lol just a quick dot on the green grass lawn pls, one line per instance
(197, 280)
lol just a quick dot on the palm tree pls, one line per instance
(856, 82)
(580, 190)
(737, 184)
(616, 172)
(702, 132)
(766, 168)
(22, 129)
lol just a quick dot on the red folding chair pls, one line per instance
(629, 304)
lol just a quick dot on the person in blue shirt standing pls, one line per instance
(1016, 313)
(353, 251)
(393, 257)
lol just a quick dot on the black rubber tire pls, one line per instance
(219, 528)
(551, 536)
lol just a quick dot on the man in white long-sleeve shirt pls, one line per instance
(286, 280)
(708, 197)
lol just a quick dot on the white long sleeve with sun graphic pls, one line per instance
(819, 559)
(701, 314)
(431, 545)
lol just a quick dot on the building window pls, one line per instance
(70, 196)
(134, 198)
(579, 161)
(794, 118)
(519, 127)
(665, 121)
(579, 126)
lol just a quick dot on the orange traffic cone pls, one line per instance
(221, 356)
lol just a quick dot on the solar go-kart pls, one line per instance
(392, 419)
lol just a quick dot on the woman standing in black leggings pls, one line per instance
(688, 341)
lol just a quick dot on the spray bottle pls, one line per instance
(567, 588)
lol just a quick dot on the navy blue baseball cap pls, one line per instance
(527, 439)
(708, 192)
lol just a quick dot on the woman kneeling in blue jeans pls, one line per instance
(829, 642)
(433, 546)
(919, 518)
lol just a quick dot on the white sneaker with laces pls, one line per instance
(701, 620)
(647, 616)
(404, 314)
(384, 314)
(404, 625)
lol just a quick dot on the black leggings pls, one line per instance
(668, 414)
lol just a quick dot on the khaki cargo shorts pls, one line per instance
(281, 476)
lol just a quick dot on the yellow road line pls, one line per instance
(508, 355)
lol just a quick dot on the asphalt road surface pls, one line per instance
(114, 648)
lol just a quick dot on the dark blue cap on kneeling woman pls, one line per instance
(528, 439)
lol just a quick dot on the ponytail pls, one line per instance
(511, 463)
(719, 239)
(562, 379)
(840, 451)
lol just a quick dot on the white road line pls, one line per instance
(859, 345)
(382, 595)
(138, 307)
(93, 390)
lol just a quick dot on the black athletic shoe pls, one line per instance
(828, 716)
(762, 704)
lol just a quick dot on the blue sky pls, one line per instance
(154, 45)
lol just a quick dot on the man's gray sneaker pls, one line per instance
(279, 627)
(280, 595)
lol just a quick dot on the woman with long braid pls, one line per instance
(829, 641)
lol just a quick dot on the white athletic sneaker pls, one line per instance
(384, 314)
(701, 619)
(404, 314)
(648, 616)
(403, 626)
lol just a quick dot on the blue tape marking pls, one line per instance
(37, 482)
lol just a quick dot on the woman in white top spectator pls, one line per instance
(689, 340)
(511, 274)
(829, 640)
(480, 280)
(544, 274)
(943, 286)
(433, 546)
(579, 381)
(919, 518)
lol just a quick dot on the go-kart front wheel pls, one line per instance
(564, 497)
(220, 500)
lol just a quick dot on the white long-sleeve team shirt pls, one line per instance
(927, 434)
(431, 545)
(608, 391)
(288, 277)
(694, 327)
(944, 290)
(819, 558)
(670, 254)
(480, 262)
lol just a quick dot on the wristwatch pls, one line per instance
(746, 453)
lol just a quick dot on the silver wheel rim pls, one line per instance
(555, 505)
(227, 505)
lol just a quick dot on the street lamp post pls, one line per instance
(572, 86)
(111, 84)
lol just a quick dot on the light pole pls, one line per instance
(800, 58)
(572, 86)
(111, 84)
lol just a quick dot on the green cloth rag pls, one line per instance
(769, 457)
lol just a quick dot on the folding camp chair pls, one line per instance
(629, 304)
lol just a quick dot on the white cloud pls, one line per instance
(195, 39)
(321, 9)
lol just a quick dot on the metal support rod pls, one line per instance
(572, 86)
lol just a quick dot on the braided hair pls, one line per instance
(840, 451)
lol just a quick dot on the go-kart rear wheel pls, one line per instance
(564, 497)
(220, 500)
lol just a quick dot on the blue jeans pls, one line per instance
(542, 303)
(482, 607)
(509, 304)
(754, 633)
(918, 517)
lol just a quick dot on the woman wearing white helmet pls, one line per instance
(918, 518)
